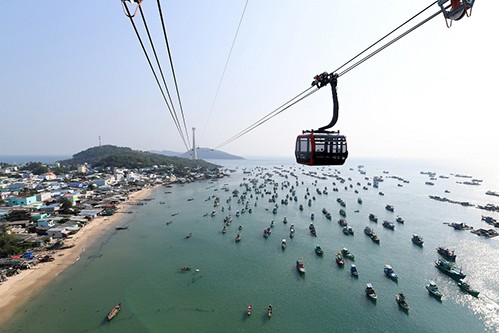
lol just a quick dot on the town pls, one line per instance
(43, 206)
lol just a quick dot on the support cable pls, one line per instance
(382, 38)
(155, 76)
(389, 43)
(159, 67)
(272, 114)
(225, 68)
(173, 70)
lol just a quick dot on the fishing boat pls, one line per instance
(389, 208)
(285, 220)
(350, 230)
(390, 273)
(399, 219)
(389, 225)
(368, 231)
(359, 200)
(313, 232)
(185, 268)
(300, 267)
(343, 213)
(114, 312)
(269, 311)
(240, 228)
(238, 238)
(283, 244)
(267, 232)
(319, 251)
(373, 218)
(375, 238)
(371, 293)
(292, 232)
(400, 298)
(249, 309)
(433, 290)
(446, 253)
(418, 240)
(447, 268)
(224, 229)
(347, 253)
(339, 260)
(301, 207)
(467, 288)
(189, 235)
(353, 271)
(342, 222)
(345, 230)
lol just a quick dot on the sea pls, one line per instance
(140, 267)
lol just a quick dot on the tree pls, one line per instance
(18, 215)
(66, 206)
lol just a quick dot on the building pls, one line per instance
(21, 201)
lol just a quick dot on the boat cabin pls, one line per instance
(321, 149)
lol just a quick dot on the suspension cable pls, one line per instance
(279, 110)
(385, 36)
(389, 43)
(173, 71)
(225, 68)
(272, 114)
(175, 119)
(159, 67)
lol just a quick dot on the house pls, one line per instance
(57, 232)
(44, 196)
(39, 216)
(21, 201)
(89, 213)
(53, 208)
(82, 169)
(50, 176)
(45, 223)
(72, 197)
(104, 181)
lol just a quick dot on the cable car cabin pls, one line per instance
(321, 149)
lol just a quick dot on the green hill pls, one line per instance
(124, 157)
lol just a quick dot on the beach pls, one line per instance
(18, 289)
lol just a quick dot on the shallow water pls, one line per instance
(139, 267)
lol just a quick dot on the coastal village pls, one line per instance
(42, 213)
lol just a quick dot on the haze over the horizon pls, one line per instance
(75, 71)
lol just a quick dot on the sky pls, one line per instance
(74, 71)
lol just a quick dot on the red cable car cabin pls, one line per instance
(321, 148)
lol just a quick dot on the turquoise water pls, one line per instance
(139, 267)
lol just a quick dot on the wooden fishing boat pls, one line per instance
(114, 312)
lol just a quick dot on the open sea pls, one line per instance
(139, 267)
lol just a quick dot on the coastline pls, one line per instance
(18, 289)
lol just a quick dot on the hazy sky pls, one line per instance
(72, 71)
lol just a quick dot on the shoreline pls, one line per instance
(18, 289)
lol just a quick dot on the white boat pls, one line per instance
(283, 244)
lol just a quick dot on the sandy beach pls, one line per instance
(18, 289)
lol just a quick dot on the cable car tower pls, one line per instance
(322, 147)
(194, 151)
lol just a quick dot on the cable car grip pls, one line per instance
(320, 81)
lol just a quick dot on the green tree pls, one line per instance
(18, 215)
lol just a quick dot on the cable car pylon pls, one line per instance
(322, 147)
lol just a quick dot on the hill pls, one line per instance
(203, 153)
(124, 157)
(212, 154)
